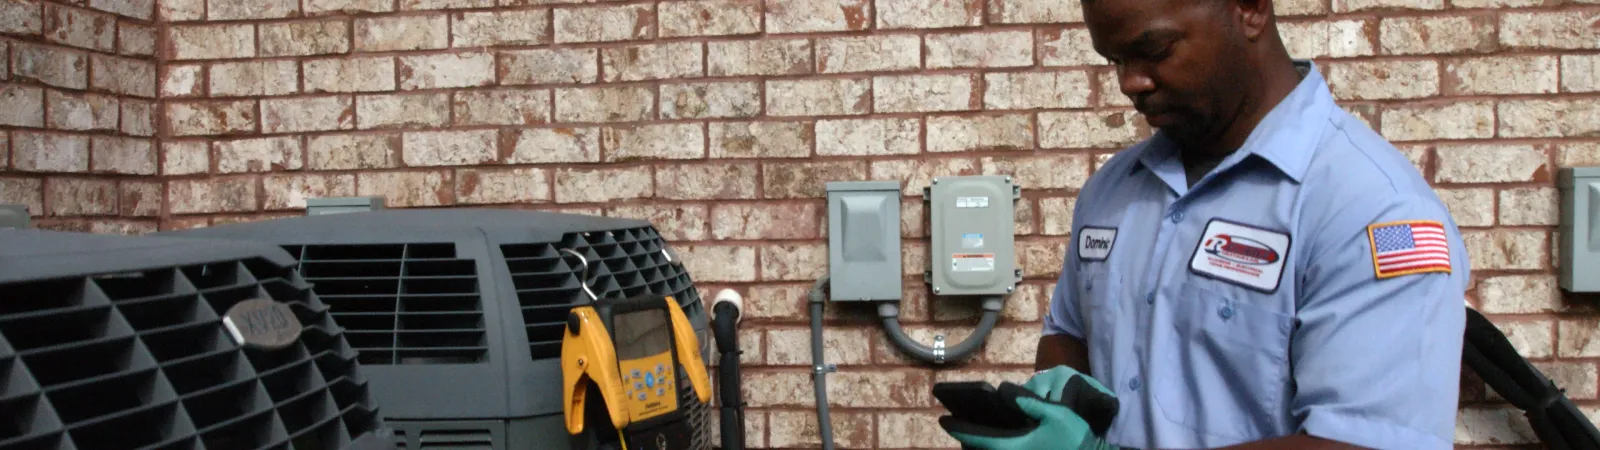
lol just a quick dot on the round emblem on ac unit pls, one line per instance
(262, 324)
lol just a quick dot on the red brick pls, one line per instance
(894, 14)
(319, 37)
(981, 49)
(54, 66)
(1518, 294)
(1089, 129)
(1068, 47)
(793, 262)
(808, 179)
(254, 78)
(500, 28)
(913, 430)
(185, 157)
(499, 186)
(1565, 30)
(754, 221)
(872, 53)
(409, 189)
(1029, 11)
(348, 6)
(604, 23)
(212, 195)
(502, 107)
(1344, 6)
(409, 5)
(1034, 90)
(808, 16)
(605, 104)
(719, 263)
(1435, 120)
(21, 105)
(396, 33)
(1041, 258)
(1429, 35)
(24, 17)
(291, 191)
(140, 198)
(218, 10)
(1549, 117)
(680, 222)
(80, 28)
(552, 145)
(925, 93)
(122, 227)
(26, 191)
(222, 41)
(450, 148)
(652, 61)
(289, 115)
(353, 151)
(423, 110)
(867, 137)
(768, 56)
(138, 117)
(598, 185)
(974, 133)
(761, 139)
(823, 97)
(709, 17)
(549, 66)
(706, 181)
(1384, 79)
(1323, 38)
(268, 154)
(80, 196)
(1502, 75)
(122, 155)
(126, 76)
(710, 100)
(674, 141)
(49, 152)
(211, 118)
(75, 111)
(183, 80)
(373, 74)
(458, 70)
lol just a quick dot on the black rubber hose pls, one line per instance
(890, 313)
(726, 329)
(819, 370)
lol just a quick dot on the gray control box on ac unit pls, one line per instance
(1580, 229)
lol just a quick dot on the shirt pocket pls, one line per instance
(1097, 293)
(1223, 365)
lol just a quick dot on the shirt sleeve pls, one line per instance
(1062, 316)
(1377, 349)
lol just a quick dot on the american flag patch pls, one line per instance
(1404, 248)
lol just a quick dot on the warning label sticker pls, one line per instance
(972, 262)
(972, 202)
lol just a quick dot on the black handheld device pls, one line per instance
(976, 407)
(979, 403)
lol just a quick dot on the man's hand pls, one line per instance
(1049, 398)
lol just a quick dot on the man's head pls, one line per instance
(1192, 67)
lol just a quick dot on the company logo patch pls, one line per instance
(1094, 243)
(1241, 254)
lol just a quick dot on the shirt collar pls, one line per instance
(1284, 137)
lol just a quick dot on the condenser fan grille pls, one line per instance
(401, 303)
(622, 263)
(141, 360)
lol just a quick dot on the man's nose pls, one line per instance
(1134, 82)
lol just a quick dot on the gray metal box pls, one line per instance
(1580, 229)
(973, 235)
(15, 216)
(338, 205)
(864, 241)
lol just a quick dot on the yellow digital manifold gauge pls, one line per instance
(630, 352)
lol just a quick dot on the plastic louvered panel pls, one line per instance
(402, 303)
(141, 360)
(622, 263)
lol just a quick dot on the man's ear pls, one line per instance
(1254, 16)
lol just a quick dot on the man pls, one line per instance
(1264, 272)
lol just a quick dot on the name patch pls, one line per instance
(1241, 254)
(1094, 243)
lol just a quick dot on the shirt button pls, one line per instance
(1133, 383)
(1150, 298)
(1177, 216)
(1226, 312)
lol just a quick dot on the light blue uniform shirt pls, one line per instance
(1312, 282)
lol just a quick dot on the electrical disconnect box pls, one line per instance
(1580, 229)
(973, 235)
(864, 241)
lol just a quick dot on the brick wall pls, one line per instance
(78, 107)
(721, 121)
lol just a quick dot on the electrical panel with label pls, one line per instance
(973, 235)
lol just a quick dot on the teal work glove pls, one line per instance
(1088, 398)
(1058, 427)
